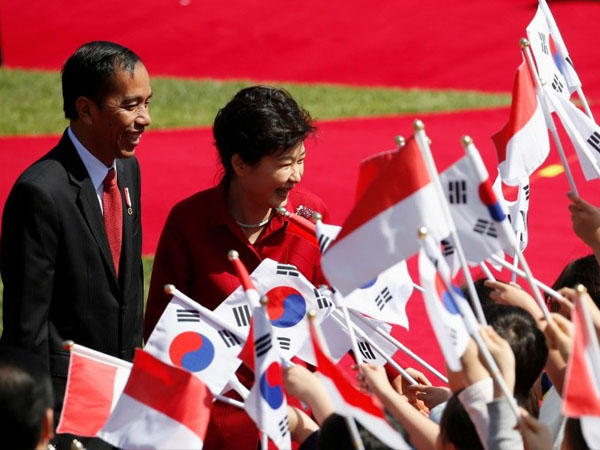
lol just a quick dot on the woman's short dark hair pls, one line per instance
(259, 121)
(89, 72)
(581, 271)
(456, 426)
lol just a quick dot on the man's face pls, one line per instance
(122, 116)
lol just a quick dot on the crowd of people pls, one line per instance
(70, 258)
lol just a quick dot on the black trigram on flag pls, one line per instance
(324, 242)
(447, 247)
(557, 85)
(229, 338)
(485, 227)
(457, 191)
(594, 141)
(453, 335)
(242, 315)
(262, 345)
(322, 301)
(543, 43)
(284, 426)
(526, 191)
(287, 269)
(383, 298)
(188, 315)
(284, 342)
(365, 350)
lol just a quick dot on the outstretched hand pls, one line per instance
(586, 221)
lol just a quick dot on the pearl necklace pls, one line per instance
(254, 225)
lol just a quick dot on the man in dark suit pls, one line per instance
(70, 246)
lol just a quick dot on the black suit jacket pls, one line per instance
(59, 277)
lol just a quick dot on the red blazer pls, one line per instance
(192, 255)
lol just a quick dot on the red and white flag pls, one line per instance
(381, 229)
(186, 337)
(94, 384)
(348, 401)
(369, 169)
(581, 390)
(162, 406)
(266, 404)
(523, 144)
(290, 295)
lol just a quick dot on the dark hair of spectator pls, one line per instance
(259, 121)
(573, 437)
(456, 426)
(334, 434)
(483, 292)
(90, 71)
(25, 395)
(527, 343)
(581, 271)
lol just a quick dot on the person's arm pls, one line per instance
(535, 435)
(30, 230)
(301, 426)
(586, 222)
(502, 434)
(306, 386)
(422, 431)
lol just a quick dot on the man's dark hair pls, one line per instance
(528, 344)
(259, 121)
(581, 271)
(90, 71)
(25, 395)
(456, 426)
(483, 293)
(334, 434)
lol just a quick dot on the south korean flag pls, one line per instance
(517, 211)
(326, 234)
(290, 295)
(476, 230)
(185, 338)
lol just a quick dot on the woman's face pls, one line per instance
(269, 182)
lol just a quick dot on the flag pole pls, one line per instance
(476, 333)
(590, 332)
(486, 271)
(547, 116)
(423, 143)
(505, 227)
(350, 423)
(547, 289)
(388, 337)
(338, 301)
(378, 349)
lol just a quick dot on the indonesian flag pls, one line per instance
(385, 297)
(94, 384)
(581, 391)
(185, 337)
(543, 49)
(290, 295)
(162, 406)
(266, 404)
(348, 401)
(381, 229)
(369, 170)
(441, 302)
(583, 132)
(559, 51)
(471, 202)
(523, 144)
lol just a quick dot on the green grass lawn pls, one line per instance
(31, 103)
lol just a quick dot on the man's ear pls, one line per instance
(84, 107)
(239, 165)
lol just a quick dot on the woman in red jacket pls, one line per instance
(260, 138)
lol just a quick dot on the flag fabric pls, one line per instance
(266, 404)
(187, 338)
(581, 390)
(348, 401)
(162, 406)
(381, 229)
(326, 234)
(94, 383)
(517, 211)
(523, 144)
(470, 201)
(559, 50)
(543, 49)
(370, 168)
(385, 297)
(444, 313)
(583, 132)
(290, 295)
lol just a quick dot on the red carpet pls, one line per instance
(435, 44)
(177, 163)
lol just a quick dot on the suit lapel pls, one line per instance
(87, 200)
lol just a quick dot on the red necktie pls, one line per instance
(113, 216)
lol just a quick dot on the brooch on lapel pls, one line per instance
(128, 202)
